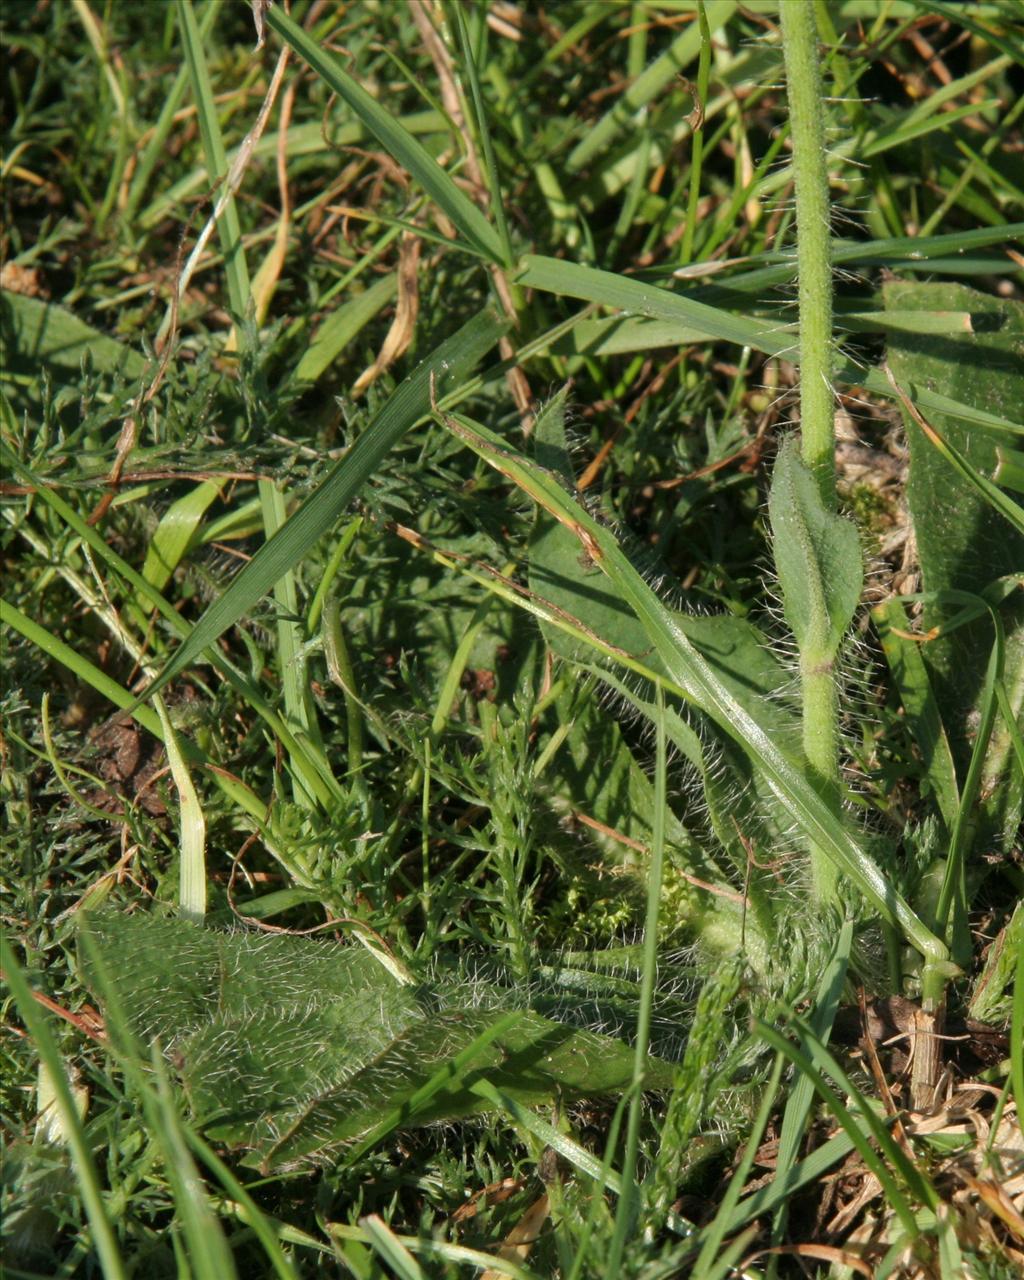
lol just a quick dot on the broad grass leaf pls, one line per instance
(817, 559)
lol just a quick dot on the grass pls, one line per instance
(545, 803)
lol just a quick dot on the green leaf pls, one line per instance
(446, 369)
(561, 573)
(291, 1046)
(696, 319)
(963, 538)
(648, 86)
(394, 138)
(34, 333)
(910, 674)
(175, 534)
(342, 325)
(817, 559)
(692, 677)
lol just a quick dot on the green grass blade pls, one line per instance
(209, 1254)
(192, 826)
(391, 1249)
(455, 1069)
(477, 232)
(697, 320)
(156, 146)
(713, 1235)
(633, 297)
(794, 1120)
(894, 1195)
(991, 493)
(908, 670)
(647, 86)
(410, 402)
(625, 1213)
(585, 1161)
(291, 655)
(483, 131)
(304, 757)
(92, 676)
(1017, 1034)
(254, 1218)
(175, 533)
(216, 159)
(951, 912)
(342, 325)
(80, 667)
(37, 1025)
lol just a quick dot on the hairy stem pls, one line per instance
(814, 250)
(817, 415)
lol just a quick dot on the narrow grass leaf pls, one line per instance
(391, 1249)
(191, 826)
(447, 368)
(715, 1232)
(439, 1250)
(315, 770)
(156, 147)
(37, 1025)
(472, 76)
(698, 320)
(303, 140)
(951, 912)
(209, 1254)
(261, 1226)
(991, 493)
(1009, 470)
(893, 1191)
(341, 326)
(577, 1156)
(230, 227)
(636, 298)
(1017, 1034)
(290, 650)
(626, 1210)
(92, 676)
(400, 144)
(912, 127)
(794, 1120)
(175, 534)
(647, 86)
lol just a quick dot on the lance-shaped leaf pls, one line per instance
(291, 1047)
(692, 677)
(817, 558)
